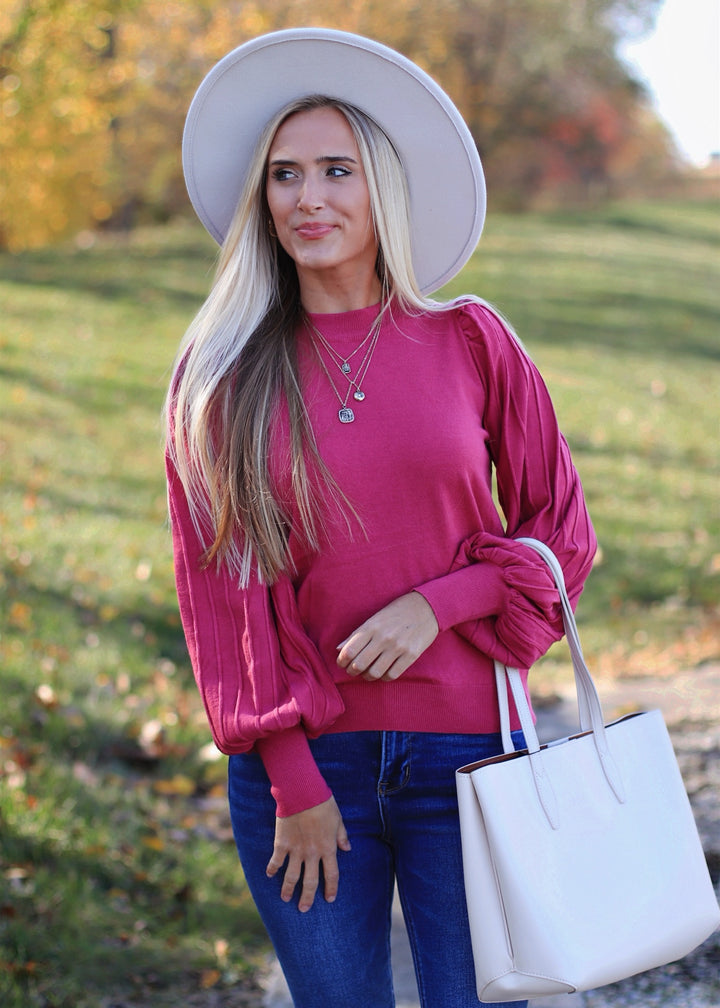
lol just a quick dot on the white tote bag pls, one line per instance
(582, 860)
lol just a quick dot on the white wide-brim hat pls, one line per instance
(253, 82)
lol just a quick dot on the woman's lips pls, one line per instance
(313, 231)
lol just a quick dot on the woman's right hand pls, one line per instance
(307, 841)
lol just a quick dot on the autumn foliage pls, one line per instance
(93, 96)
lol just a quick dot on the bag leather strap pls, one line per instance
(589, 707)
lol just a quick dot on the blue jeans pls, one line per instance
(396, 794)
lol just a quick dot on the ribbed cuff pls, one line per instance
(296, 781)
(470, 593)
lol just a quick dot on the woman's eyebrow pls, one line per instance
(335, 157)
(324, 159)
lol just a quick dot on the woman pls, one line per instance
(344, 577)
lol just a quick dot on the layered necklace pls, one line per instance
(345, 367)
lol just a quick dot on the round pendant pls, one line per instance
(346, 415)
(359, 395)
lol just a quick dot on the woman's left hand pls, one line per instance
(385, 645)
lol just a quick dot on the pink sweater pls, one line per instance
(448, 395)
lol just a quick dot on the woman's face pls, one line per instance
(318, 198)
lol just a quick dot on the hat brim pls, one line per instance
(253, 82)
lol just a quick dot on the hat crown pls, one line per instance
(443, 168)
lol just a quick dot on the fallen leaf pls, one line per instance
(20, 616)
(46, 695)
(150, 738)
(177, 785)
(209, 978)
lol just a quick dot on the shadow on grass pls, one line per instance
(690, 221)
(76, 615)
(81, 923)
(627, 322)
(122, 269)
(114, 880)
(92, 395)
(120, 500)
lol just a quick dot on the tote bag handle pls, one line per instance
(590, 710)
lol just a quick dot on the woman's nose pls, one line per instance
(310, 197)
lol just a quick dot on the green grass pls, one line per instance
(118, 878)
(117, 873)
(621, 310)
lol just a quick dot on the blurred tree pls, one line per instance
(549, 103)
(93, 95)
(56, 119)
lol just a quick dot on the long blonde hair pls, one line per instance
(237, 363)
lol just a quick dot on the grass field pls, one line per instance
(118, 879)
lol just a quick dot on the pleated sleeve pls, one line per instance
(261, 679)
(500, 594)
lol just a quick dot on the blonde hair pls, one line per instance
(237, 363)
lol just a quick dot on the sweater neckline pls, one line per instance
(355, 313)
(345, 325)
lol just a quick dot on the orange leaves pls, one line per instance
(20, 616)
(209, 978)
(97, 93)
(154, 842)
(16, 758)
(212, 977)
(53, 112)
(178, 785)
(697, 644)
(19, 969)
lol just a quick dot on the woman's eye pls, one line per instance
(282, 174)
(337, 171)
